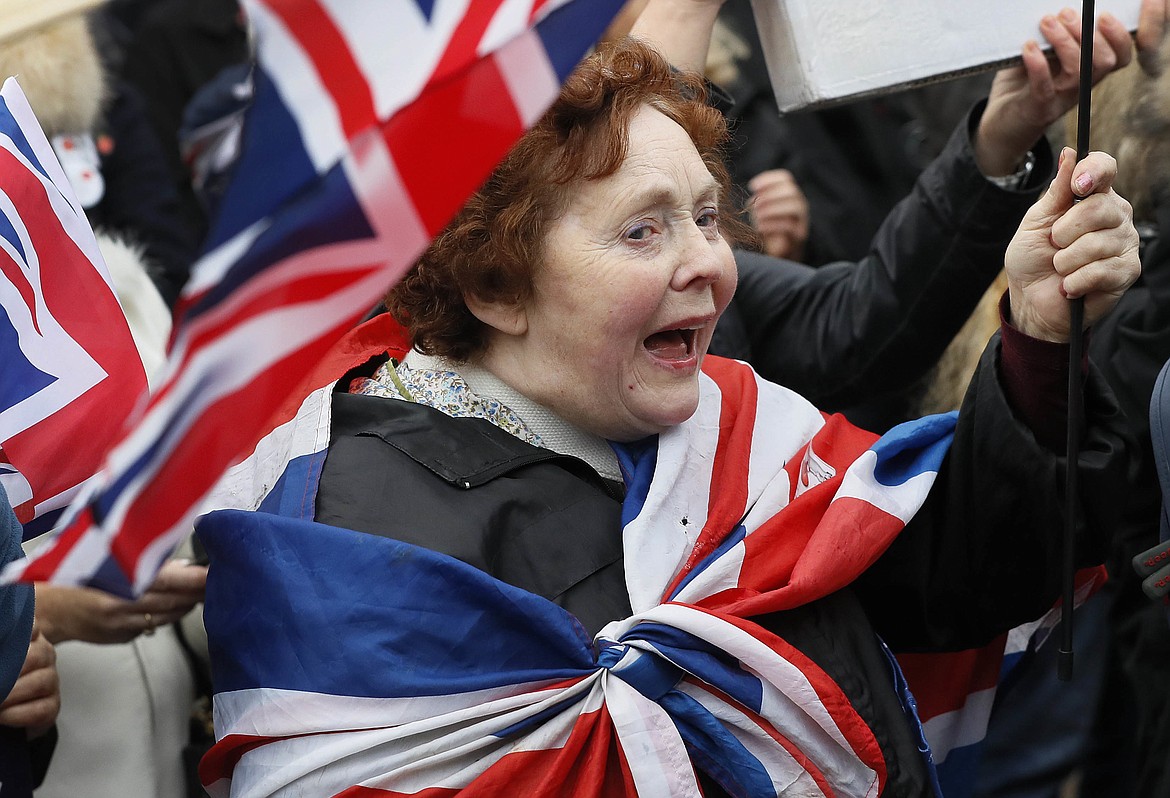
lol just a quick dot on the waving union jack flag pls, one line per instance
(69, 371)
(372, 122)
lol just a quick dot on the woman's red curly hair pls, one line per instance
(491, 248)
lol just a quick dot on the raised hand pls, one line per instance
(1028, 98)
(1066, 248)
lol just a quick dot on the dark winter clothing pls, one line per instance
(850, 332)
(140, 202)
(852, 161)
(177, 47)
(16, 620)
(1131, 345)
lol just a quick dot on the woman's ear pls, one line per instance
(509, 318)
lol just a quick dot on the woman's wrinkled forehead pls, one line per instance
(661, 168)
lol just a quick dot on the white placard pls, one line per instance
(821, 52)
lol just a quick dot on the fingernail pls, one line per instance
(1063, 293)
(1068, 15)
(1083, 183)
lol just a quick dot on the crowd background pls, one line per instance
(154, 91)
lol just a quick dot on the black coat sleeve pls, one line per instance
(846, 332)
(1132, 343)
(1130, 346)
(983, 555)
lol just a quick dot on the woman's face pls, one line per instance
(623, 307)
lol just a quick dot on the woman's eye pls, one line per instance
(708, 218)
(639, 232)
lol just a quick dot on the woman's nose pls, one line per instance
(701, 262)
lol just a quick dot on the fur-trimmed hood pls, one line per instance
(61, 73)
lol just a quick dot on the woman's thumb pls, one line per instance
(1060, 195)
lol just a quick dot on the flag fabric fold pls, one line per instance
(70, 374)
(341, 183)
(365, 666)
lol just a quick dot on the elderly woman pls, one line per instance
(556, 550)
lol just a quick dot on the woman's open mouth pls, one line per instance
(676, 345)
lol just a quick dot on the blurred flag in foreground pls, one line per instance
(70, 374)
(373, 121)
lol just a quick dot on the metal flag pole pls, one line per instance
(1076, 410)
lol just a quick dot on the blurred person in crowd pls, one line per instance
(98, 128)
(175, 48)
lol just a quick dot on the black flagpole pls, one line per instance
(1076, 410)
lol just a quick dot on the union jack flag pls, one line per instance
(506, 695)
(70, 374)
(282, 712)
(372, 122)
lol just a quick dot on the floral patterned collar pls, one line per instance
(445, 391)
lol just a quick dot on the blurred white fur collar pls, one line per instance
(59, 69)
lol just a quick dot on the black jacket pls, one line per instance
(978, 559)
(853, 161)
(140, 201)
(849, 332)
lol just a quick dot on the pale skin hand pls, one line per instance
(94, 616)
(779, 212)
(35, 699)
(1026, 99)
(1065, 249)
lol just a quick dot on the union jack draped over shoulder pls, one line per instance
(531, 704)
(505, 695)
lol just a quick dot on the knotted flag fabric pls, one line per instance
(372, 122)
(70, 374)
(349, 664)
